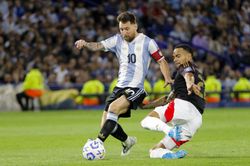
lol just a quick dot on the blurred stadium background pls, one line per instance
(41, 34)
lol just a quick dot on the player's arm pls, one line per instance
(93, 46)
(158, 57)
(191, 86)
(165, 71)
(159, 102)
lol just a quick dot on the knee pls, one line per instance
(117, 108)
(150, 119)
(145, 123)
(114, 108)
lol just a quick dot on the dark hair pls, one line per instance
(186, 47)
(126, 17)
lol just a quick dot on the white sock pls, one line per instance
(112, 116)
(158, 153)
(155, 124)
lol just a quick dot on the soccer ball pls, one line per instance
(93, 150)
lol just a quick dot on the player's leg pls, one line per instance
(131, 97)
(114, 96)
(127, 141)
(135, 96)
(156, 120)
(117, 132)
(187, 120)
(164, 150)
(104, 116)
(175, 137)
(117, 107)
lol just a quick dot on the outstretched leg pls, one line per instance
(153, 122)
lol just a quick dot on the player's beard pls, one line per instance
(129, 38)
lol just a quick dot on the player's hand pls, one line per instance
(168, 82)
(185, 65)
(194, 88)
(142, 106)
(80, 44)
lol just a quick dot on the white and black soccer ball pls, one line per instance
(93, 150)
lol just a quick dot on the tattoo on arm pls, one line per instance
(164, 67)
(95, 46)
(189, 78)
(160, 102)
(155, 103)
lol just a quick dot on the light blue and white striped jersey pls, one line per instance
(134, 58)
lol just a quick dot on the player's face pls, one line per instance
(181, 57)
(128, 30)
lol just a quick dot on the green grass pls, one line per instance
(54, 138)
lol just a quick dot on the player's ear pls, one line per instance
(136, 26)
(189, 56)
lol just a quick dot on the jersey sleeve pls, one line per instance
(154, 51)
(110, 43)
(188, 69)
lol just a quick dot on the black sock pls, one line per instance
(107, 128)
(119, 133)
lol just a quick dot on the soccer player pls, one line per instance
(178, 115)
(134, 52)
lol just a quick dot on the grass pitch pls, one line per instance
(54, 138)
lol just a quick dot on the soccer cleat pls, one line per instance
(177, 155)
(127, 145)
(175, 133)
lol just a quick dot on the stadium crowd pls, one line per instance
(43, 32)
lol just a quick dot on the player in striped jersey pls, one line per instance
(134, 52)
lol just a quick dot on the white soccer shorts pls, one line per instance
(181, 113)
